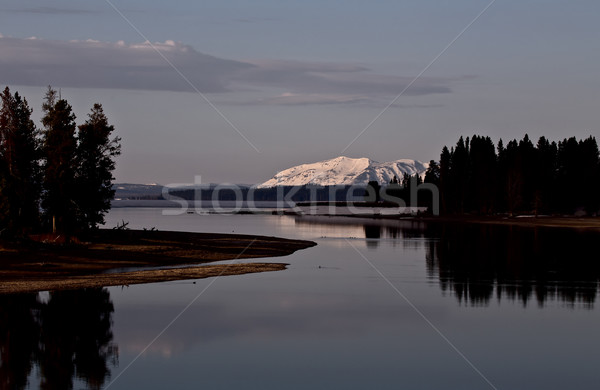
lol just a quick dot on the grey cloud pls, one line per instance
(325, 78)
(119, 65)
(309, 99)
(112, 65)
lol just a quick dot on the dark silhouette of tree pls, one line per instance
(526, 158)
(373, 191)
(569, 165)
(483, 175)
(432, 177)
(459, 175)
(513, 178)
(20, 169)
(501, 198)
(432, 174)
(445, 181)
(4, 202)
(96, 153)
(410, 188)
(59, 150)
(544, 199)
(588, 185)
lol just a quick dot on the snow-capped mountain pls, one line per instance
(345, 171)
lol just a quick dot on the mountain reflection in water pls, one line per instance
(66, 337)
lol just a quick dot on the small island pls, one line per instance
(124, 257)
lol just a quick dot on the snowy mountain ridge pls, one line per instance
(345, 171)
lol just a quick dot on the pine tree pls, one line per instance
(569, 175)
(445, 180)
(482, 180)
(59, 148)
(4, 203)
(373, 191)
(20, 155)
(545, 175)
(459, 175)
(514, 178)
(96, 153)
(501, 199)
(589, 186)
(526, 161)
(432, 174)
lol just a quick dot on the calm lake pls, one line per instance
(377, 304)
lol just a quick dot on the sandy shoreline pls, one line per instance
(136, 277)
(34, 266)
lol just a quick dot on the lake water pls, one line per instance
(377, 304)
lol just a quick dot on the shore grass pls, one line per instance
(118, 257)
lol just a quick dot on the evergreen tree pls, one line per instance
(482, 180)
(445, 180)
(514, 177)
(501, 199)
(589, 185)
(4, 203)
(544, 199)
(459, 175)
(569, 167)
(526, 161)
(59, 150)
(432, 174)
(20, 155)
(373, 191)
(96, 153)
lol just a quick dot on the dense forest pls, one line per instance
(57, 178)
(476, 176)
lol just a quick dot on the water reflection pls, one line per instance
(480, 262)
(64, 338)
(407, 234)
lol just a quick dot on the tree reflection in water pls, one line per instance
(478, 262)
(67, 337)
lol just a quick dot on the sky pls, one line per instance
(235, 91)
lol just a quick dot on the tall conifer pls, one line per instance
(96, 153)
(59, 150)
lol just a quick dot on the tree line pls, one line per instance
(476, 176)
(58, 177)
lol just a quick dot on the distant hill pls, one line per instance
(345, 171)
(137, 191)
